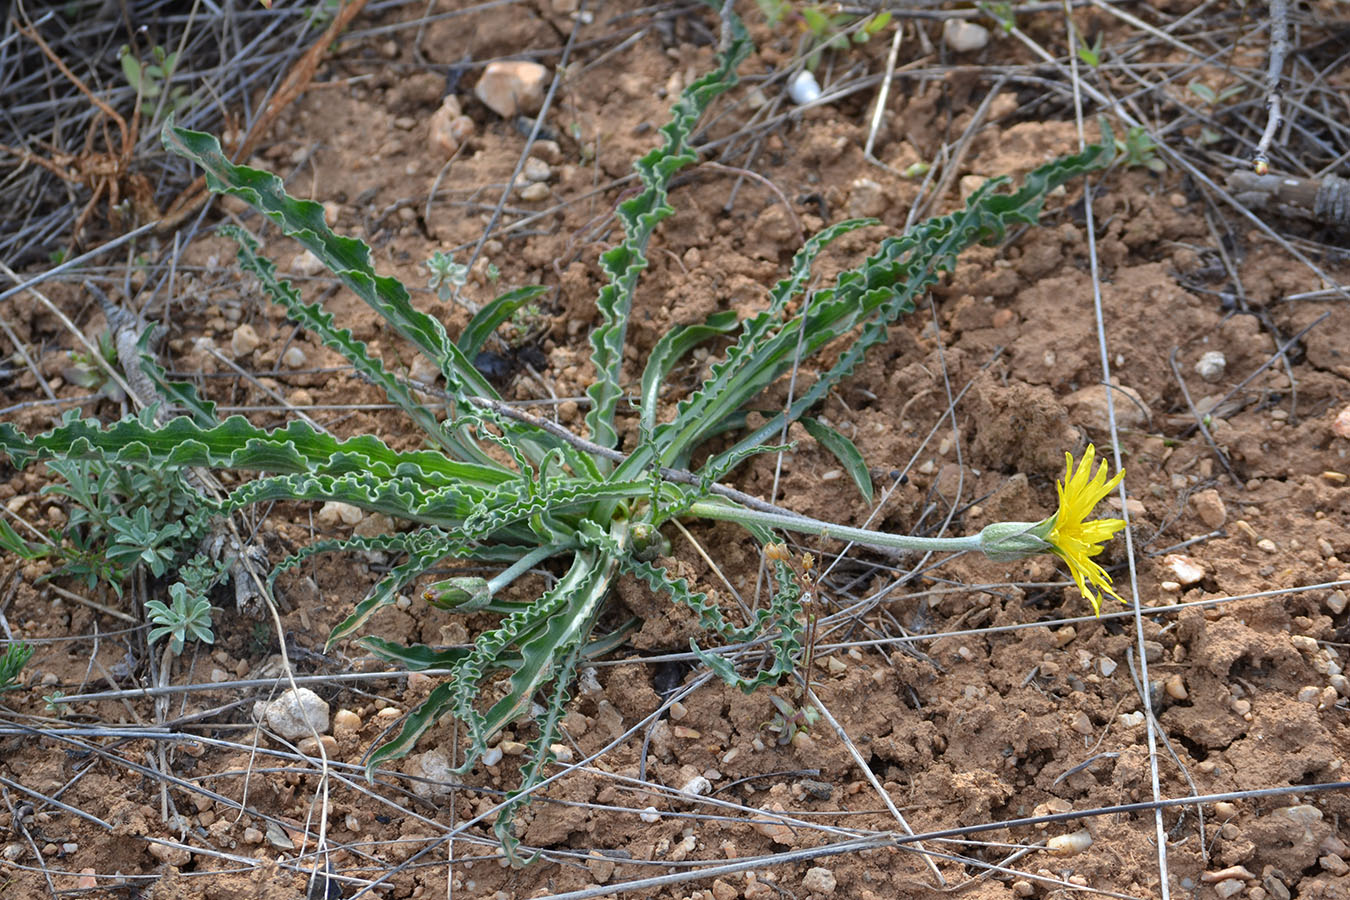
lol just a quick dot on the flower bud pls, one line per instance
(464, 594)
(1008, 541)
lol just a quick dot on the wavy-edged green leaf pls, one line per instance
(313, 317)
(750, 365)
(639, 217)
(784, 615)
(415, 657)
(348, 258)
(385, 591)
(668, 351)
(844, 450)
(487, 319)
(238, 444)
(887, 283)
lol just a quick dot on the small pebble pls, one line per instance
(1241, 707)
(492, 756)
(803, 88)
(1107, 666)
(1333, 864)
(1336, 602)
(1081, 723)
(511, 87)
(1175, 687)
(963, 37)
(1210, 508)
(244, 341)
(1131, 719)
(1309, 694)
(310, 747)
(346, 722)
(88, 880)
(306, 263)
(536, 170)
(696, 785)
(678, 711)
(1069, 844)
(819, 880)
(1211, 366)
(650, 815)
(1184, 569)
(293, 358)
(1267, 545)
(1223, 810)
(1023, 888)
(561, 752)
(252, 835)
(535, 192)
(512, 748)
(1228, 888)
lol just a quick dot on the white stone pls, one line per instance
(1184, 569)
(511, 87)
(449, 128)
(293, 358)
(536, 170)
(650, 815)
(1211, 366)
(819, 880)
(803, 88)
(306, 263)
(433, 765)
(244, 341)
(334, 511)
(293, 713)
(534, 192)
(962, 36)
(696, 785)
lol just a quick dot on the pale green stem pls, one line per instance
(524, 564)
(710, 510)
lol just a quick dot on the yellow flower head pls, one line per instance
(1076, 541)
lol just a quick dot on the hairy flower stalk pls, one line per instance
(1068, 533)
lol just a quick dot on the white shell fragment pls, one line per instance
(962, 36)
(803, 88)
(1069, 844)
(1211, 366)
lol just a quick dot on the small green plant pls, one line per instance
(447, 276)
(1139, 150)
(790, 720)
(1092, 55)
(101, 542)
(89, 373)
(12, 661)
(188, 615)
(149, 79)
(493, 486)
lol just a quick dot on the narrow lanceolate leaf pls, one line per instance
(751, 364)
(487, 319)
(669, 350)
(845, 451)
(313, 317)
(887, 284)
(639, 216)
(347, 258)
(415, 657)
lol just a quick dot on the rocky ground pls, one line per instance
(965, 692)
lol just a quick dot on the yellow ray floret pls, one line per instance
(1075, 540)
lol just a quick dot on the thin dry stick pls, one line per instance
(885, 92)
(867, 773)
(1279, 47)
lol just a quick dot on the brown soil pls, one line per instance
(968, 696)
